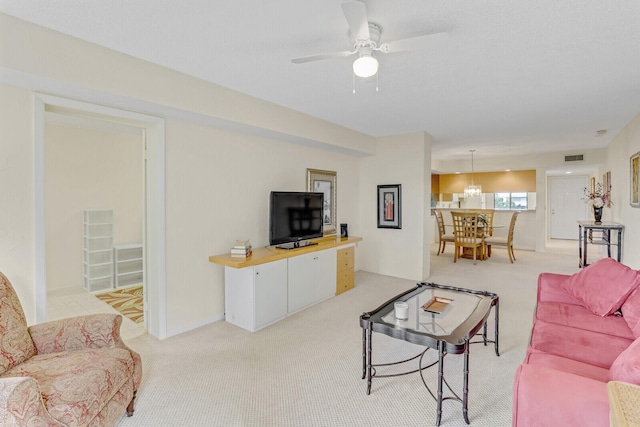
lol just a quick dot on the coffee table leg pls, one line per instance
(440, 378)
(497, 310)
(484, 333)
(364, 353)
(369, 336)
(465, 383)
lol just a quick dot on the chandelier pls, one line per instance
(472, 190)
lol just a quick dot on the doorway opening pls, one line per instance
(153, 235)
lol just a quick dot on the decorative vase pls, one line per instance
(597, 214)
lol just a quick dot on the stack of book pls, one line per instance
(242, 249)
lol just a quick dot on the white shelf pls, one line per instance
(97, 258)
(128, 264)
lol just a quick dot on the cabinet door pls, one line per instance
(324, 274)
(301, 281)
(270, 290)
(312, 278)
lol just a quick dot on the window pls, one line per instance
(510, 200)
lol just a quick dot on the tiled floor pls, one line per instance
(71, 302)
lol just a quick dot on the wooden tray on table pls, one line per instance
(436, 305)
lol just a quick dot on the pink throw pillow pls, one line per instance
(626, 367)
(603, 286)
(631, 312)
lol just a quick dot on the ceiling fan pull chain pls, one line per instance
(354, 82)
(377, 82)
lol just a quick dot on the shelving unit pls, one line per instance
(128, 264)
(97, 239)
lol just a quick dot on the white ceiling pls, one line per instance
(516, 76)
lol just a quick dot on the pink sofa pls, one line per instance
(68, 373)
(585, 333)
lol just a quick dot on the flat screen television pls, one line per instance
(294, 218)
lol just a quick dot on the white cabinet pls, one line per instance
(273, 283)
(256, 296)
(97, 236)
(311, 279)
(128, 265)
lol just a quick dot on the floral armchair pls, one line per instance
(72, 372)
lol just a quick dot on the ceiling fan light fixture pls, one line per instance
(365, 66)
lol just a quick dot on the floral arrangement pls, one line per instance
(598, 198)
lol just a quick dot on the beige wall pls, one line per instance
(88, 169)
(217, 187)
(17, 190)
(623, 146)
(403, 159)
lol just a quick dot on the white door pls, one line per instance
(566, 206)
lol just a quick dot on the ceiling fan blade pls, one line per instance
(320, 57)
(356, 14)
(415, 43)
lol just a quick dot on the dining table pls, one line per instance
(484, 231)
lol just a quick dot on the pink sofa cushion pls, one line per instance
(626, 367)
(550, 289)
(16, 345)
(579, 317)
(547, 397)
(577, 344)
(551, 361)
(631, 312)
(603, 286)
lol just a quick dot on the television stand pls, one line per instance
(295, 245)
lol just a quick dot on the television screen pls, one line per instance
(295, 216)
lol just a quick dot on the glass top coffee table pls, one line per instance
(442, 318)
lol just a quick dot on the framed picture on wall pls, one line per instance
(320, 181)
(633, 176)
(390, 206)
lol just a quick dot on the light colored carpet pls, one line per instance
(127, 301)
(306, 370)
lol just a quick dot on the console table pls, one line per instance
(591, 232)
(274, 283)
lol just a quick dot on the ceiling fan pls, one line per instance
(366, 38)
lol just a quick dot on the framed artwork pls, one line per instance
(390, 206)
(633, 176)
(319, 181)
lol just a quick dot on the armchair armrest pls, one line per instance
(77, 333)
(21, 404)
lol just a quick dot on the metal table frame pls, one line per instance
(455, 343)
(586, 231)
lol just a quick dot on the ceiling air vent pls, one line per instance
(574, 158)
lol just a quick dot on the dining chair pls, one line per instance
(442, 236)
(468, 235)
(505, 241)
(487, 215)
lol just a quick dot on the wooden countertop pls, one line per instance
(270, 253)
